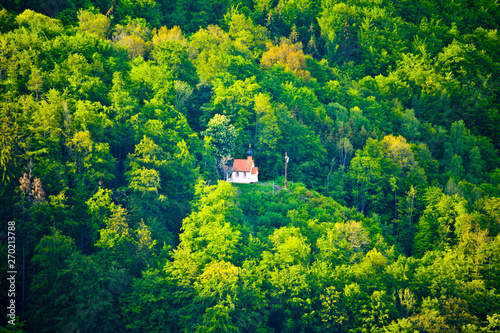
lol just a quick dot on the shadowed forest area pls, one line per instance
(119, 120)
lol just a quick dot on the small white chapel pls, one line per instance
(244, 171)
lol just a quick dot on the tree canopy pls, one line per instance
(119, 121)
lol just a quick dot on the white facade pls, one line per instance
(243, 177)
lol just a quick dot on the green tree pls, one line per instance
(76, 73)
(306, 159)
(344, 243)
(123, 106)
(149, 304)
(90, 296)
(267, 136)
(172, 57)
(8, 21)
(99, 207)
(247, 36)
(365, 172)
(134, 37)
(50, 256)
(38, 22)
(338, 23)
(236, 102)
(224, 136)
(93, 23)
(89, 162)
(438, 224)
(211, 232)
(476, 166)
(290, 255)
(215, 55)
(410, 125)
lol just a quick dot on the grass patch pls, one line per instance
(265, 187)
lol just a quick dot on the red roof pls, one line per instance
(242, 165)
(255, 171)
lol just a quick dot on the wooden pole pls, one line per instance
(286, 156)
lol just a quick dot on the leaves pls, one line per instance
(223, 135)
(115, 121)
(288, 54)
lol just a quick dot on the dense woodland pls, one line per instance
(119, 119)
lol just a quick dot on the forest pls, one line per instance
(119, 120)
